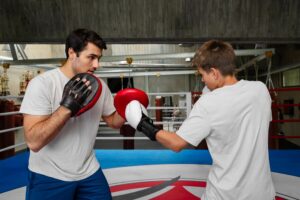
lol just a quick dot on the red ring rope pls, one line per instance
(285, 120)
(283, 137)
(284, 105)
(284, 89)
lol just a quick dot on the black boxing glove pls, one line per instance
(80, 97)
(147, 127)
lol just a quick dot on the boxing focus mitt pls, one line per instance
(125, 96)
(136, 115)
(81, 93)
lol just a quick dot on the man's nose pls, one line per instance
(96, 64)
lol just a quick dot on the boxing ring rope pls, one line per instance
(161, 108)
(10, 113)
(169, 120)
(13, 146)
(277, 132)
(122, 138)
(284, 137)
(284, 89)
(11, 97)
(97, 138)
(285, 120)
(284, 105)
(11, 129)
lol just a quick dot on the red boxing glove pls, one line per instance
(124, 97)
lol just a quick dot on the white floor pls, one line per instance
(286, 186)
(18, 193)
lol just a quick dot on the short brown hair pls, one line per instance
(216, 54)
(79, 39)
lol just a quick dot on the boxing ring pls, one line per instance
(159, 174)
(292, 118)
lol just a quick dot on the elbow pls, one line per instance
(176, 149)
(34, 147)
(116, 126)
(33, 143)
(178, 146)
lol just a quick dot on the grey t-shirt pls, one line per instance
(69, 156)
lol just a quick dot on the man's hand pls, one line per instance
(124, 97)
(131, 104)
(81, 93)
(136, 115)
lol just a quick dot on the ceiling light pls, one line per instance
(188, 59)
(123, 62)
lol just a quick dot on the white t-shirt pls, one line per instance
(234, 120)
(205, 90)
(69, 156)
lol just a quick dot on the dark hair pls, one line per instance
(79, 38)
(216, 54)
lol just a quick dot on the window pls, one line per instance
(291, 77)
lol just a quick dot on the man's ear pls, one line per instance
(215, 72)
(71, 53)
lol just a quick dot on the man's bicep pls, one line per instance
(37, 100)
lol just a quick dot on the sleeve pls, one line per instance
(196, 127)
(36, 100)
(108, 103)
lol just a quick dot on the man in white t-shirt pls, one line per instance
(233, 117)
(62, 163)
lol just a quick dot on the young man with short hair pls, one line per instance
(233, 118)
(62, 163)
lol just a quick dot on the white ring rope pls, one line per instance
(11, 129)
(122, 138)
(13, 146)
(10, 113)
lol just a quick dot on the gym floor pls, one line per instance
(157, 174)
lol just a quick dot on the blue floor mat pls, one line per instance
(13, 171)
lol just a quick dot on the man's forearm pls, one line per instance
(114, 120)
(41, 133)
(171, 140)
(118, 121)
